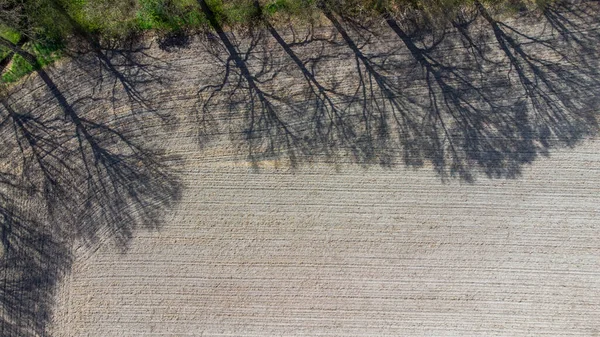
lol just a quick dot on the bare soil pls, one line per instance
(354, 252)
(340, 181)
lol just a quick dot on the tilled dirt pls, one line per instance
(346, 180)
(354, 252)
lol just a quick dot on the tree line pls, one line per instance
(46, 28)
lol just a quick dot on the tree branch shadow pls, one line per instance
(268, 129)
(559, 86)
(33, 260)
(572, 20)
(462, 98)
(474, 118)
(330, 121)
(87, 179)
(465, 102)
(379, 99)
(127, 62)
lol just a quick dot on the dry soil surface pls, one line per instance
(339, 182)
(354, 252)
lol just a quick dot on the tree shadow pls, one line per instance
(464, 99)
(464, 112)
(268, 129)
(125, 67)
(33, 261)
(559, 83)
(465, 102)
(131, 67)
(125, 59)
(86, 178)
(572, 20)
(440, 108)
(377, 100)
(332, 125)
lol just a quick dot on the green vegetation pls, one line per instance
(168, 15)
(44, 27)
(18, 67)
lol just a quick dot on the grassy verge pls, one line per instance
(17, 67)
(55, 20)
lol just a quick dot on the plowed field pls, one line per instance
(346, 180)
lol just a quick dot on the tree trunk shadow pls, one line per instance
(269, 131)
(85, 180)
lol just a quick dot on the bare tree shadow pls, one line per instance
(557, 82)
(267, 130)
(466, 103)
(572, 20)
(126, 60)
(461, 98)
(331, 123)
(378, 100)
(124, 67)
(474, 116)
(33, 260)
(86, 178)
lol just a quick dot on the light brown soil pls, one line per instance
(354, 252)
(457, 195)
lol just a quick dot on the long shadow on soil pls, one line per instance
(332, 119)
(126, 61)
(477, 97)
(71, 177)
(481, 96)
(266, 127)
(488, 113)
